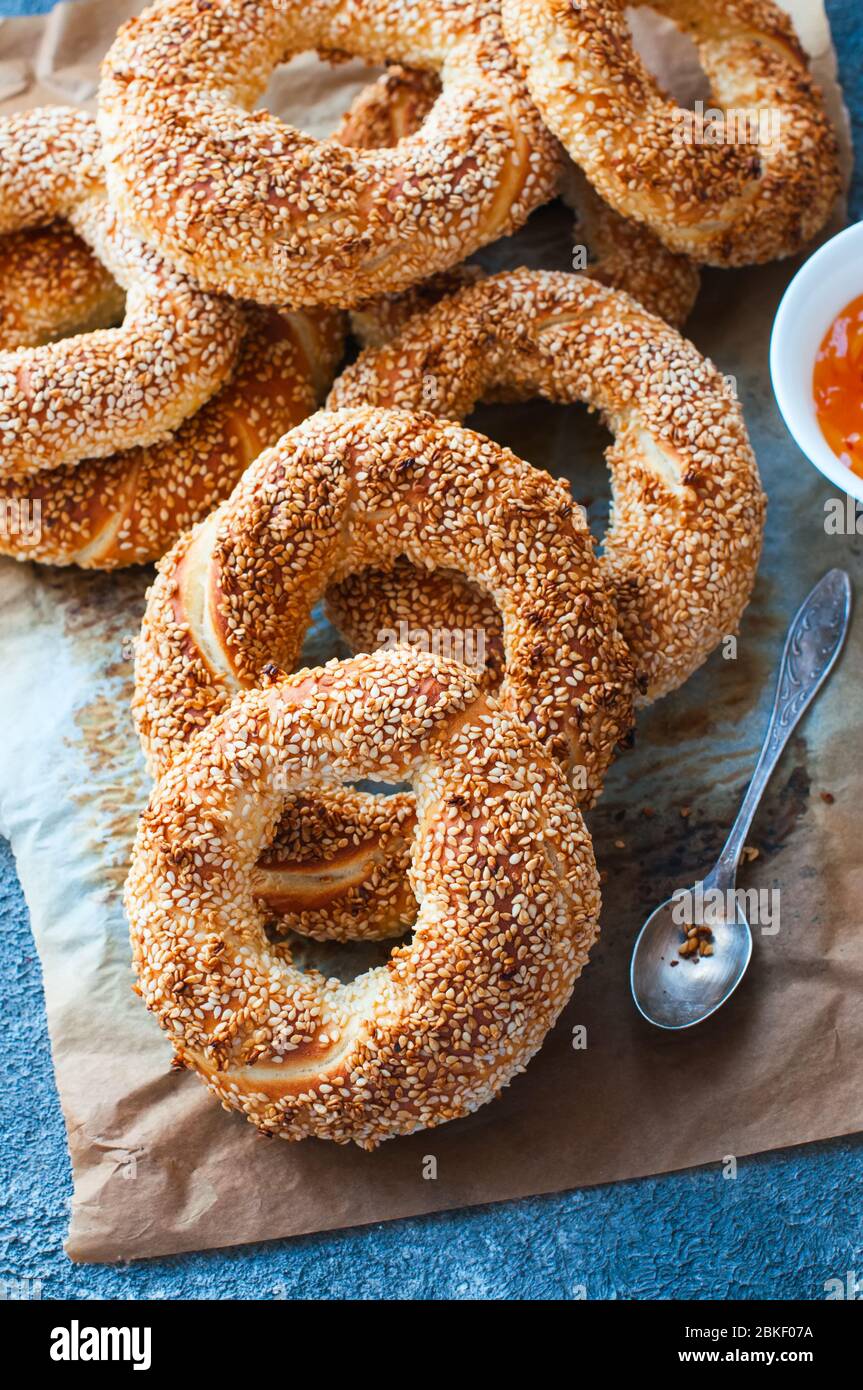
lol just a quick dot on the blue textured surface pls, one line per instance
(788, 1223)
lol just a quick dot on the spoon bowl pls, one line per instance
(675, 991)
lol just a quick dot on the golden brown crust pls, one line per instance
(389, 109)
(682, 552)
(376, 321)
(51, 285)
(755, 182)
(500, 861)
(88, 395)
(50, 161)
(127, 510)
(353, 488)
(620, 254)
(255, 208)
(683, 548)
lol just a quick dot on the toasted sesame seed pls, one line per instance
(93, 393)
(722, 201)
(456, 1013)
(257, 209)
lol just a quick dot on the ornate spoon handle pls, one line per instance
(812, 646)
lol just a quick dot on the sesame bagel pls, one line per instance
(752, 179)
(683, 547)
(252, 207)
(500, 860)
(344, 491)
(129, 509)
(352, 488)
(94, 393)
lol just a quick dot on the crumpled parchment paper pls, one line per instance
(158, 1166)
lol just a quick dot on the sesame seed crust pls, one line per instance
(254, 208)
(726, 203)
(358, 488)
(683, 547)
(94, 393)
(501, 864)
(51, 286)
(130, 508)
(622, 254)
(354, 488)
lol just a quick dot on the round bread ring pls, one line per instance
(92, 394)
(728, 203)
(252, 207)
(343, 491)
(680, 557)
(51, 285)
(501, 863)
(682, 552)
(352, 488)
(128, 509)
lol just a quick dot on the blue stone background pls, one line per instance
(790, 1221)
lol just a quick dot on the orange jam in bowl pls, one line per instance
(838, 386)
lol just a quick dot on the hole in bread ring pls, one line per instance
(688, 511)
(251, 206)
(500, 861)
(751, 178)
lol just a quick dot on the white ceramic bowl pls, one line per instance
(820, 290)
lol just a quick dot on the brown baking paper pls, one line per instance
(158, 1166)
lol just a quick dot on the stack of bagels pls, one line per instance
(183, 274)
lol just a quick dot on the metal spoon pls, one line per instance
(680, 995)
